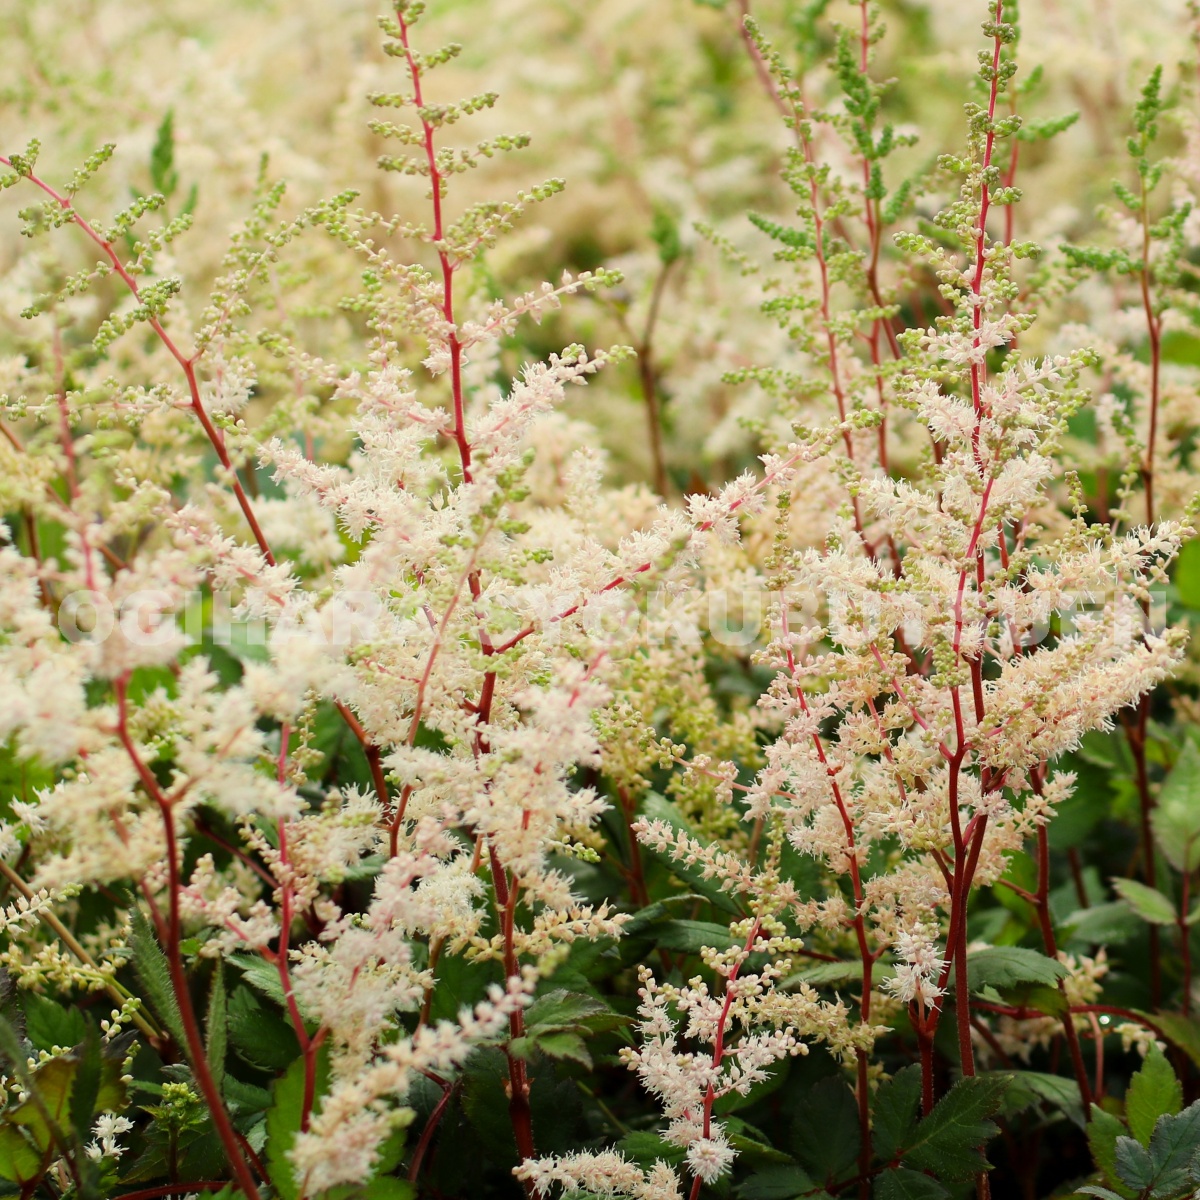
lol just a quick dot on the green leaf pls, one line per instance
(778, 1183)
(895, 1112)
(1149, 903)
(1038, 996)
(1009, 966)
(828, 974)
(732, 1101)
(283, 1120)
(902, 1184)
(1187, 574)
(388, 1189)
(1173, 1146)
(1134, 1168)
(49, 1024)
(825, 1134)
(646, 1148)
(1176, 816)
(1108, 924)
(1180, 1031)
(656, 807)
(949, 1141)
(1028, 1088)
(154, 974)
(690, 937)
(664, 232)
(47, 1106)
(86, 1089)
(217, 1032)
(561, 1009)
(555, 1043)
(19, 1161)
(1153, 1091)
(752, 1145)
(260, 974)
(1094, 1189)
(162, 157)
(1102, 1133)
(259, 1034)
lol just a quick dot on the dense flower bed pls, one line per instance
(720, 722)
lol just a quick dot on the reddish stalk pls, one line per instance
(169, 933)
(1135, 735)
(309, 1046)
(518, 1098)
(426, 1138)
(216, 439)
(188, 364)
(648, 378)
(175, 1189)
(1046, 922)
(637, 874)
(1135, 731)
(719, 1044)
(1185, 942)
(969, 843)
(866, 956)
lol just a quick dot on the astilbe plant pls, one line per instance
(374, 756)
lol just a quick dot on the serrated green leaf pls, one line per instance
(949, 1141)
(1176, 816)
(825, 1134)
(260, 974)
(153, 972)
(1011, 966)
(283, 1120)
(690, 937)
(895, 1111)
(1102, 1132)
(1149, 903)
(259, 1034)
(561, 1009)
(49, 1024)
(19, 1161)
(783, 1182)
(1109, 924)
(217, 1031)
(554, 1043)
(44, 1112)
(1173, 1148)
(900, 1183)
(1027, 1088)
(646, 1148)
(827, 974)
(85, 1091)
(1152, 1091)
(1134, 1168)
(1179, 1030)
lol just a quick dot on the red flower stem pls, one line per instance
(866, 956)
(719, 1043)
(519, 1111)
(170, 935)
(187, 363)
(215, 437)
(1135, 732)
(1045, 920)
(435, 1117)
(309, 1046)
(1185, 942)
(175, 1189)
